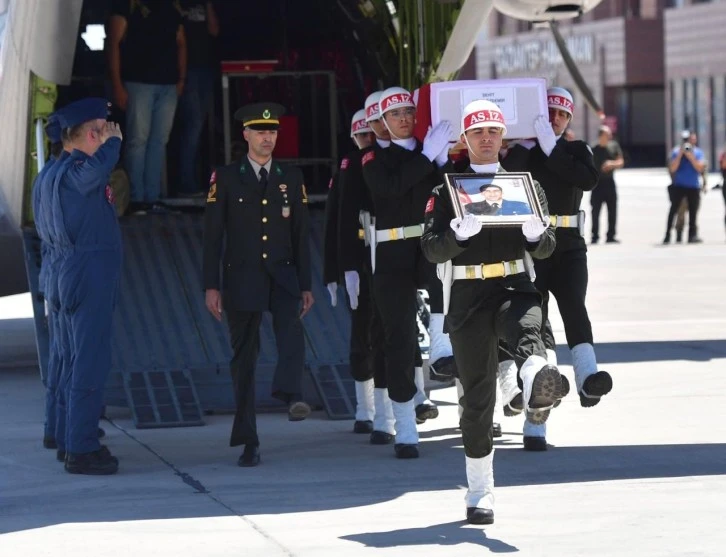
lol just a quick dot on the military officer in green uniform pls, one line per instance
(257, 224)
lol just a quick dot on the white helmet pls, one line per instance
(359, 124)
(482, 114)
(395, 97)
(371, 106)
(560, 98)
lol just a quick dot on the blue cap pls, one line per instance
(53, 129)
(84, 110)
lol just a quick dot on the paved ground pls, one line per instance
(642, 474)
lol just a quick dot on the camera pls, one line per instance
(687, 146)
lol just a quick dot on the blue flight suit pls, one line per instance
(51, 377)
(89, 244)
(59, 360)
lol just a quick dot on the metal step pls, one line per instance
(165, 398)
(336, 388)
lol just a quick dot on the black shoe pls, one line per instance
(695, 240)
(595, 386)
(496, 430)
(594, 240)
(96, 463)
(60, 455)
(381, 438)
(515, 406)
(667, 240)
(426, 411)
(679, 236)
(250, 456)
(298, 411)
(443, 369)
(101, 433)
(475, 515)
(405, 451)
(363, 426)
(612, 241)
(564, 390)
(534, 443)
(49, 443)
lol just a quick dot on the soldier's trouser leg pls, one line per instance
(360, 353)
(96, 278)
(53, 374)
(290, 341)
(475, 350)
(360, 334)
(244, 333)
(395, 296)
(568, 284)
(377, 340)
(440, 342)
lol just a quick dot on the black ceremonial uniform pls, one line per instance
(366, 342)
(400, 182)
(266, 266)
(564, 175)
(483, 311)
(331, 270)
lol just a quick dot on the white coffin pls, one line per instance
(521, 101)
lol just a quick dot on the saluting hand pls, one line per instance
(111, 129)
(213, 301)
(307, 302)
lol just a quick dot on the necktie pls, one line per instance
(496, 206)
(263, 178)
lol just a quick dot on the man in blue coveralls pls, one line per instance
(53, 131)
(88, 238)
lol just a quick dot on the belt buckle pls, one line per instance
(553, 220)
(361, 234)
(566, 221)
(470, 271)
(393, 233)
(492, 270)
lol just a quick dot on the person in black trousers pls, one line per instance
(491, 298)
(259, 207)
(608, 157)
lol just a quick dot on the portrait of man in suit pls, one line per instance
(494, 203)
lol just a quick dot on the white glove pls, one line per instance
(533, 229)
(545, 134)
(465, 228)
(436, 140)
(352, 285)
(333, 290)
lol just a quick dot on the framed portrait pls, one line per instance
(497, 200)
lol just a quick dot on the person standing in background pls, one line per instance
(687, 163)
(608, 157)
(147, 65)
(201, 27)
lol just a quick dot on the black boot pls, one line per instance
(475, 515)
(363, 426)
(96, 463)
(381, 438)
(49, 443)
(496, 430)
(679, 235)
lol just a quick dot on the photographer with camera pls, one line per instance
(687, 163)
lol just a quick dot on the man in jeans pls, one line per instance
(201, 26)
(687, 162)
(147, 59)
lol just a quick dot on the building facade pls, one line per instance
(655, 67)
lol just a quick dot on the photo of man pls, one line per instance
(494, 204)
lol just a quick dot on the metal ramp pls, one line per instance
(337, 390)
(162, 399)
